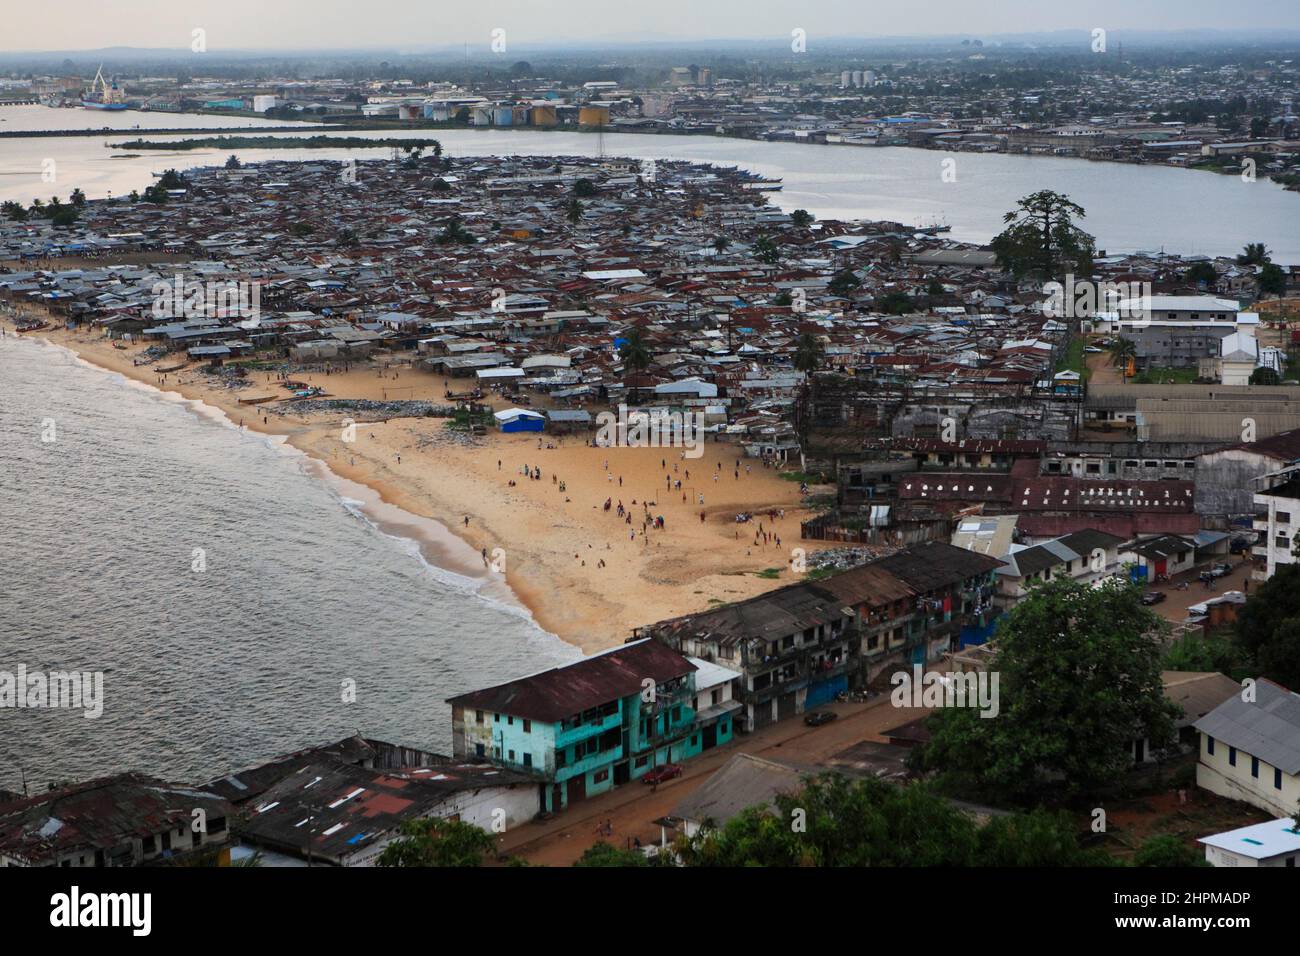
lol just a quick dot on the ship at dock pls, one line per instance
(103, 95)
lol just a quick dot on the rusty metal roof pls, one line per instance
(100, 814)
(561, 692)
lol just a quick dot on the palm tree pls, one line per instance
(575, 211)
(808, 353)
(1123, 351)
(720, 244)
(1255, 254)
(634, 352)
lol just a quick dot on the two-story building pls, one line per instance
(592, 725)
(1250, 748)
(1085, 556)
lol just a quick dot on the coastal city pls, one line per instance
(482, 458)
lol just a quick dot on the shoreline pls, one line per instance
(581, 574)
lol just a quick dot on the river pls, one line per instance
(1130, 208)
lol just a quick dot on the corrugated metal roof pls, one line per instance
(1267, 728)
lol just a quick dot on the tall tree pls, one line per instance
(633, 351)
(808, 353)
(1268, 626)
(1079, 681)
(765, 250)
(1041, 239)
(1254, 254)
(1122, 352)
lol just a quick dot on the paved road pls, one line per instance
(632, 807)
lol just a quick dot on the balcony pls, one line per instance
(572, 734)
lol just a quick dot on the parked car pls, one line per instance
(1153, 597)
(662, 773)
(819, 717)
(1222, 569)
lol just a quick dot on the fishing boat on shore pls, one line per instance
(258, 400)
(171, 368)
(33, 327)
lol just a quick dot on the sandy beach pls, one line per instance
(588, 575)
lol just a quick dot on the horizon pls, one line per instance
(321, 26)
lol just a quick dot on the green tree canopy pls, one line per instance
(808, 353)
(843, 283)
(1079, 680)
(1254, 254)
(1203, 273)
(633, 351)
(434, 842)
(833, 821)
(1268, 626)
(1041, 239)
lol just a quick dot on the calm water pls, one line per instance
(212, 670)
(1130, 208)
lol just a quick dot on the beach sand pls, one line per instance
(552, 544)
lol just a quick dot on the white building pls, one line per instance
(1277, 519)
(1250, 748)
(714, 696)
(263, 103)
(1275, 843)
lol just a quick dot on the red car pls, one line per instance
(661, 774)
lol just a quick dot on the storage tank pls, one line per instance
(593, 116)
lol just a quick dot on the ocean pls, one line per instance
(309, 594)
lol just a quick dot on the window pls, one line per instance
(496, 718)
(1290, 861)
(528, 760)
(600, 777)
(510, 721)
(1209, 745)
(1284, 517)
(528, 726)
(479, 750)
(1254, 766)
(1232, 756)
(1277, 778)
(512, 756)
(478, 716)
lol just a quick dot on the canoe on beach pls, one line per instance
(171, 368)
(258, 400)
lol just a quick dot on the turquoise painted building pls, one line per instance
(593, 725)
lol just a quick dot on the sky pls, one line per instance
(409, 24)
